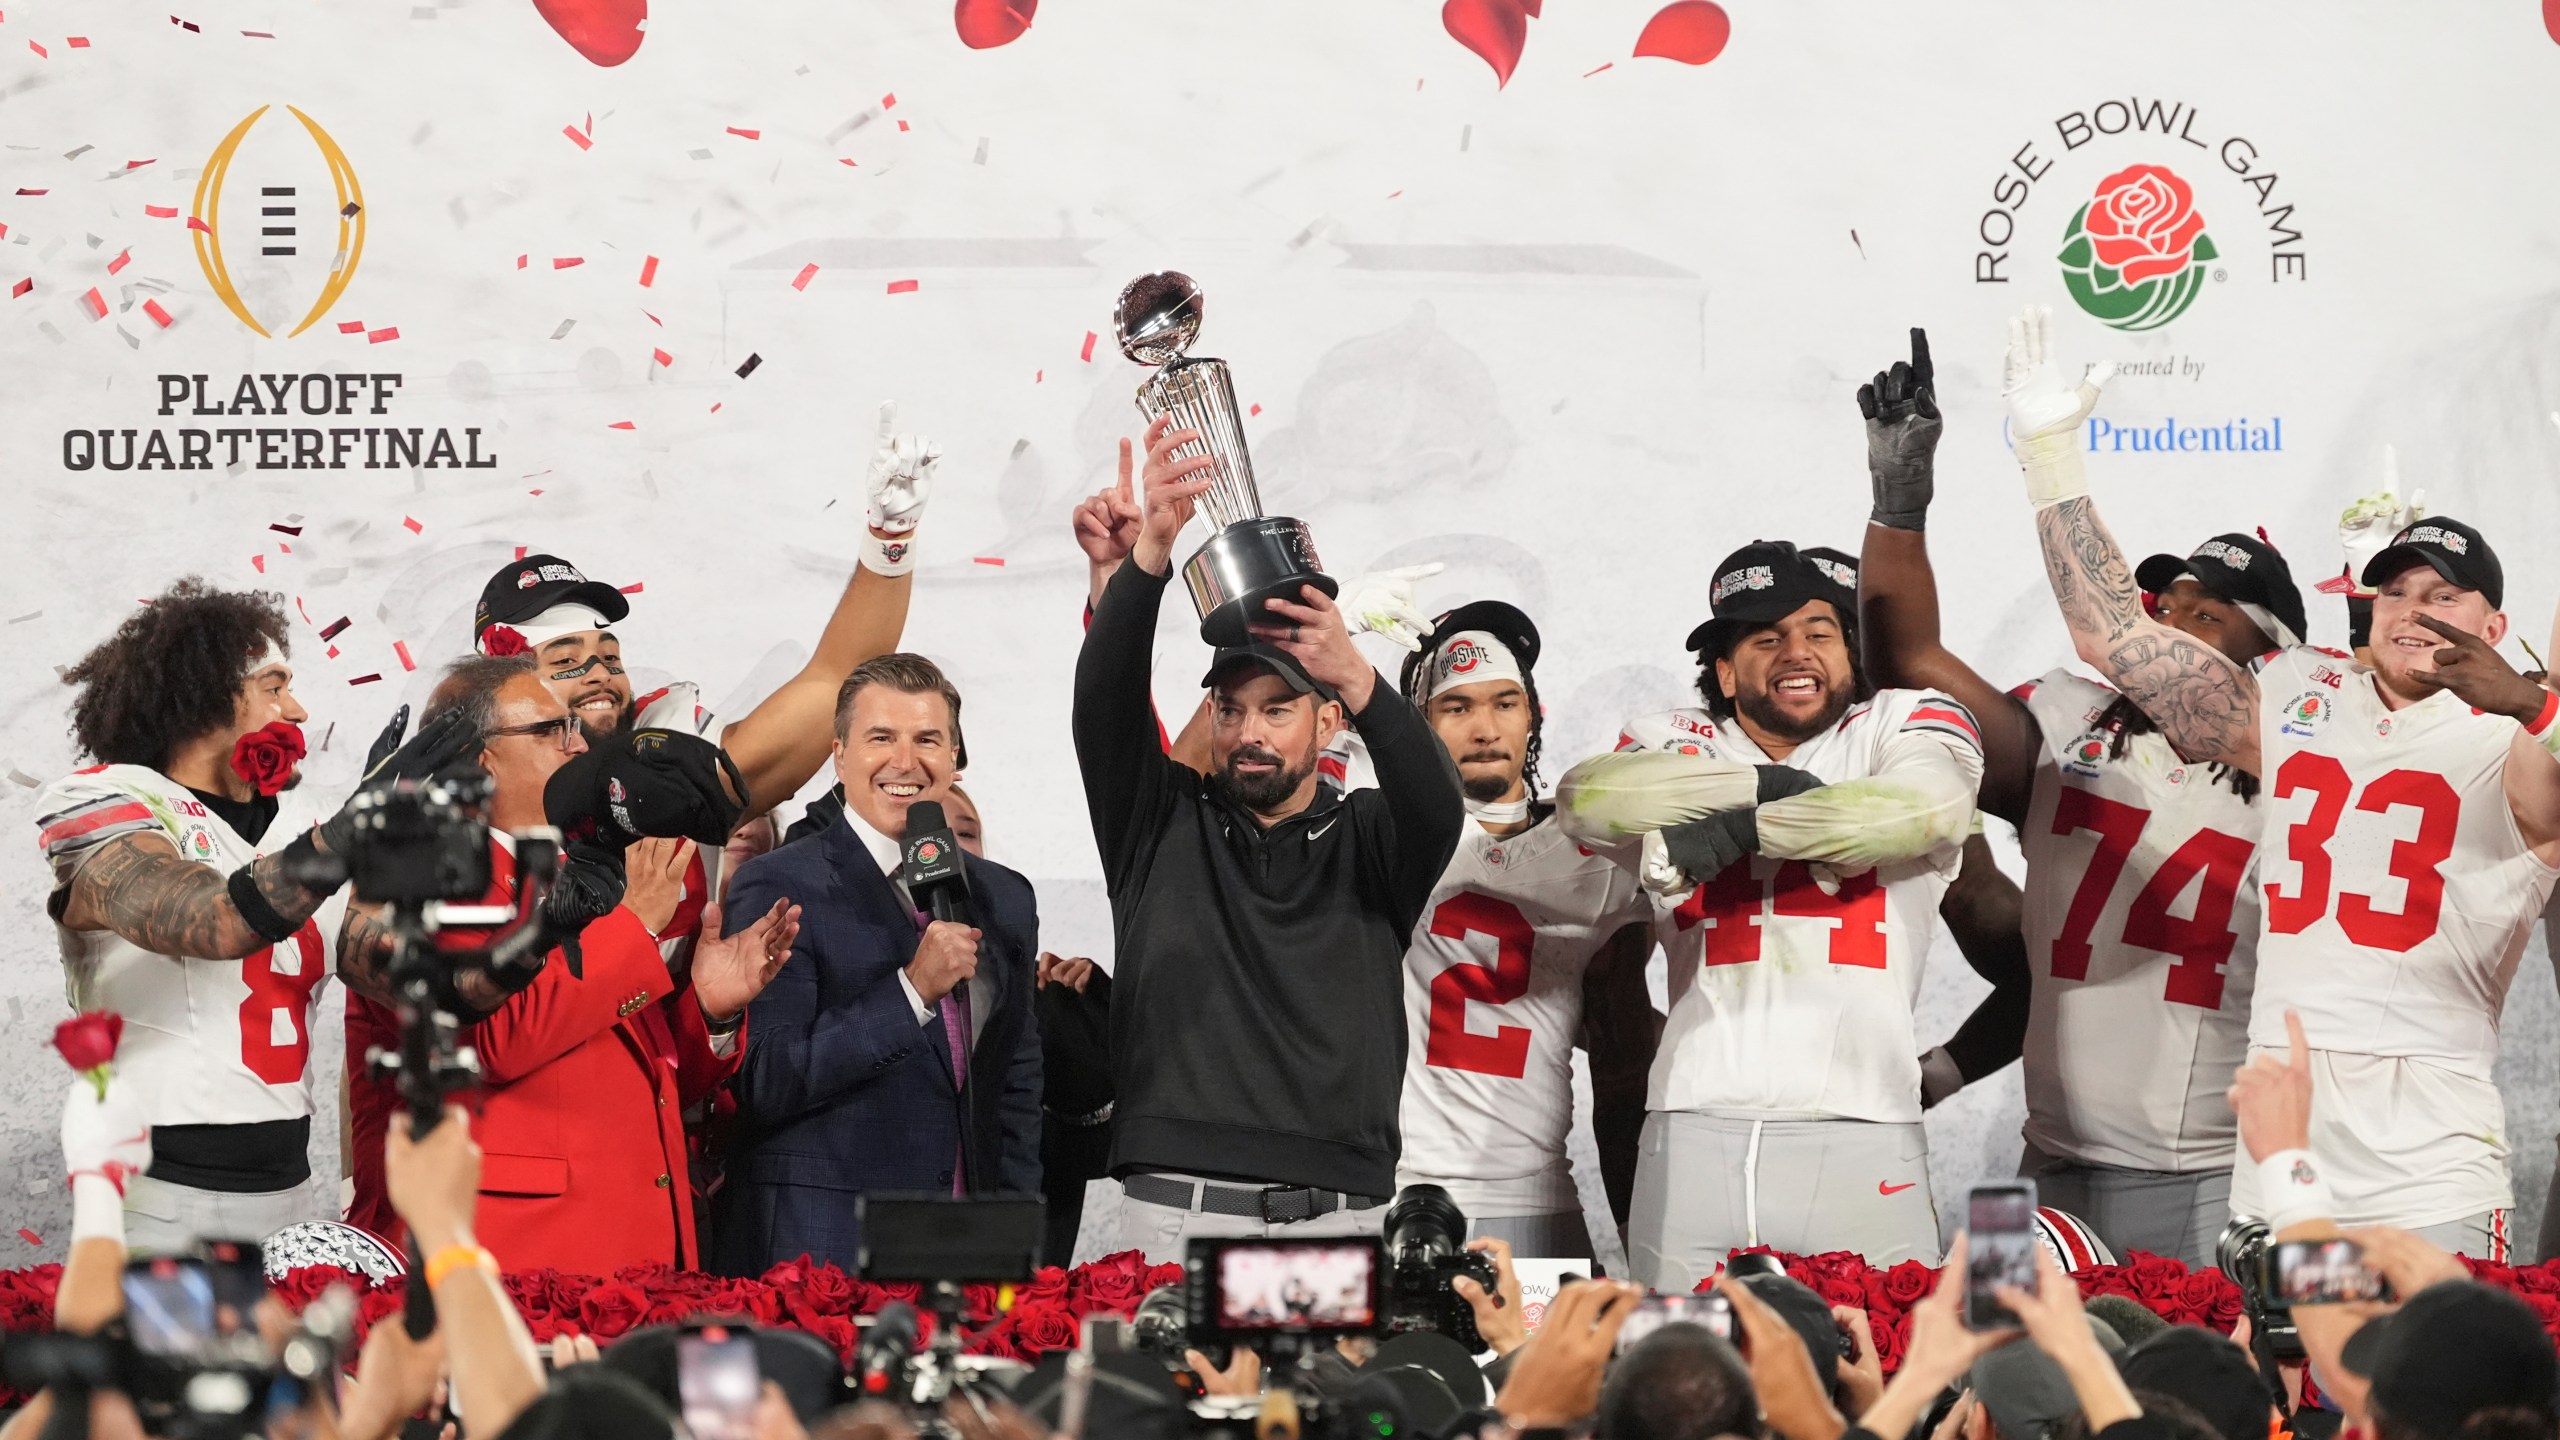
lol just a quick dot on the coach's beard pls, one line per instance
(1763, 709)
(1263, 790)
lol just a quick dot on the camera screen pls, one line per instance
(1655, 1311)
(237, 1271)
(2324, 1272)
(719, 1381)
(1302, 1285)
(168, 1305)
(2001, 1249)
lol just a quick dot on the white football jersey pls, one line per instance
(1792, 986)
(206, 1042)
(2399, 891)
(1493, 1001)
(2141, 923)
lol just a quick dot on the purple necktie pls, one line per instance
(954, 1008)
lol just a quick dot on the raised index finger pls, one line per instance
(2299, 1047)
(888, 420)
(1922, 370)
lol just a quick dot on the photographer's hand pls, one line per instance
(1555, 1381)
(1792, 1394)
(1242, 1377)
(395, 1378)
(434, 1182)
(1498, 1317)
(1941, 1348)
(2060, 1328)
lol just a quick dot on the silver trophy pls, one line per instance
(1252, 557)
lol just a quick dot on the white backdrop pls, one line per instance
(1578, 335)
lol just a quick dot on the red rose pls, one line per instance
(1891, 1337)
(1909, 1283)
(1044, 1326)
(2545, 1309)
(2143, 223)
(837, 1331)
(2200, 1292)
(265, 758)
(503, 640)
(1106, 1287)
(2156, 1278)
(1051, 1284)
(611, 1308)
(88, 1040)
(829, 1290)
(379, 1305)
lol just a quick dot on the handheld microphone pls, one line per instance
(932, 866)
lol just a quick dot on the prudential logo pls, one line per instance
(2136, 255)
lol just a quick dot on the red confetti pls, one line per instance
(648, 273)
(1494, 29)
(122, 259)
(715, 407)
(1394, 193)
(654, 320)
(1692, 32)
(808, 273)
(283, 529)
(622, 425)
(414, 527)
(387, 332)
(520, 262)
(1605, 64)
(520, 552)
(40, 50)
(632, 589)
(96, 302)
(138, 164)
(1256, 410)
(161, 212)
(401, 648)
(663, 357)
(189, 24)
(78, 42)
(335, 628)
(23, 190)
(986, 560)
(581, 141)
(902, 127)
(1038, 375)
(1089, 338)
(29, 1236)
(746, 134)
(563, 262)
(197, 223)
(159, 316)
(258, 563)
(843, 161)
(350, 327)
(889, 101)
(364, 679)
(333, 650)
(902, 287)
(263, 35)
(22, 287)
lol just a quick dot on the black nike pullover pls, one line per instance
(1257, 1013)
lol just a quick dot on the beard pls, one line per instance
(1267, 790)
(1485, 789)
(1762, 709)
(621, 723)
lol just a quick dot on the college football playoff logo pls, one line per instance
(279, 243)
(2136, 254)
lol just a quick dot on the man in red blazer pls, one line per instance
(585, 1077)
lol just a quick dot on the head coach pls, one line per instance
(1257, 1030)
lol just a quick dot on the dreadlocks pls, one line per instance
(2122, 720)
(171, 671)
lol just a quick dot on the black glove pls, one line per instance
(1703, 848)
(386, 742)
(1901, 406)
(652, 782)
(439, 745)
(589, 885)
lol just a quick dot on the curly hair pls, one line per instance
(171, 672)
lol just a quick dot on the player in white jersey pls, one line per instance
(177, 909)
(1524, 924)
(2141, 912)
(2410, 827)
(1785, 1097)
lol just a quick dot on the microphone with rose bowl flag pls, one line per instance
(932, 867)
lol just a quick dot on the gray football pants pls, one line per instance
(1707, 1185)
(2177, 1215)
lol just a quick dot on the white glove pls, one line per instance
(901, 480)
(1382, 603)
(2366, 526)
(104, 1144)
(2044, 412)
(1656, 872)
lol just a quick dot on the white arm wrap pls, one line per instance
(1859, 824)
(1611, 796)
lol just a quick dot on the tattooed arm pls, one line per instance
(364, 963)
(2206, 705)
(140, 887)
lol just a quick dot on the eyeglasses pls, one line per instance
(559, 729)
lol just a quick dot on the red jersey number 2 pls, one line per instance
(279, 1062)
(1452, 1045)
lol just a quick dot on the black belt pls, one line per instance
(1271, 1204)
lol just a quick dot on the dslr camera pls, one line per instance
(1426, 1239)
(422, 840)
(2242, 1254)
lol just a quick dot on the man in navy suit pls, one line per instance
(865, 1068)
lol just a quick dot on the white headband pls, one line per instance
(267, 655)
(568, 618)
(1472, 657)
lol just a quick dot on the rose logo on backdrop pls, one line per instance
(2135, 256)
(270, 254)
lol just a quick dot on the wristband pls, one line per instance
(97, 1207)
(892, 555)
(2053, 467)
(2541, 728)
(263, 919)
(454, 1257)
(2292, 1190)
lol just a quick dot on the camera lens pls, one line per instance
(1424, 1223)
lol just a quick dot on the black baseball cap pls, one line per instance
(1841, 568)
(2449, 547)
(2455, 1348)
(1761, 583)
(526, 588)
(1503, 622)
(2241, 569)
(1272, 658)
(2206, 1371)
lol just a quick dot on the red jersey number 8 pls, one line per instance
(279, 1062)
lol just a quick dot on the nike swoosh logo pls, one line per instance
(1318, 832)
(1884, 1189)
